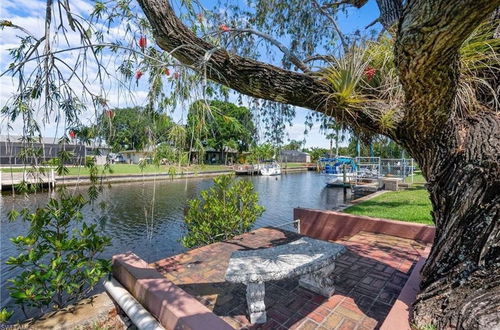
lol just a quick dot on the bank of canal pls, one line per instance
(147, 217)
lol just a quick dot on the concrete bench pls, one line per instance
(309, 258)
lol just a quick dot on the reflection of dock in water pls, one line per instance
(9, 180)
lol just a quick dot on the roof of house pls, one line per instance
(47, 140)
(19, 138)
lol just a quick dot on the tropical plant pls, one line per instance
(5, 315)
(317, 153)
(220, 125)
(59, 255)
(293, 145)
(412, 91)
(228, 208)
(343, 78)
(259, 153)
(132, 128)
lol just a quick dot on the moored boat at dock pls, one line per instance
(338, 171)
(270, 169)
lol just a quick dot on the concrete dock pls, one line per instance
(10, 179)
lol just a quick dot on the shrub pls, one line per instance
(53, 162)
(227, 209)
(89, 159)
(58, 255)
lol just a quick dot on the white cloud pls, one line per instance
(30, 15)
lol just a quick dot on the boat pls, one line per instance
(333, 170)
(270, 169)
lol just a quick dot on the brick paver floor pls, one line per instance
(368, 277)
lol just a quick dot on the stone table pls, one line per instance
(309, 258)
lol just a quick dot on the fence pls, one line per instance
(371, 169)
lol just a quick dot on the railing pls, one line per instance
(370, 169)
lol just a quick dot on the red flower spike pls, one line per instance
(370, 72)
(138, 75)
(177, 75)
(72, 134)
(167, 71)
(224, 28)
(143, 42)
(110, 114)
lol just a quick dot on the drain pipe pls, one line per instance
(134, 310)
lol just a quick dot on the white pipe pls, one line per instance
(142, 319)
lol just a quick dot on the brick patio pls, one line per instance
(369, 278)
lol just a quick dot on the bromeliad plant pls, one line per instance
(227, 209)
(58, 255)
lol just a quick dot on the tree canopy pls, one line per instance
(293, 145)
(221, 125)
(133, 128)
(429, 82)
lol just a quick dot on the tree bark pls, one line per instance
(461, 278)
(458, 154)
(248, 76)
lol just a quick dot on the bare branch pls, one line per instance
(355, 3)
(245, 75)
(288, 54)
(335, 25)
(326, 58)
(373, 23)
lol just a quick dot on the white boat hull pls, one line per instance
(270, 170)
(338, 179)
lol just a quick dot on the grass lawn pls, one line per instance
(418, 178)
(135, 169)
(412, 205)
(294, 165)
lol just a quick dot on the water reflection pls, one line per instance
(146, 218)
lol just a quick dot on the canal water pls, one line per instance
(147, 217)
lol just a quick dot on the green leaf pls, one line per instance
(5, 315)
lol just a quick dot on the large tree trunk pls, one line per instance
(461, 279)
(459, 154)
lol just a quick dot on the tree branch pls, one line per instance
(355, 3)
(390, 12)
(326, 58)
(248, 76)
(245, 75)
(335, 25)
(431, 33)
(288, 53)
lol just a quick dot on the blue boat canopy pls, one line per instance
(332, 164)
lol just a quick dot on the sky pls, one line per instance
(30, 14)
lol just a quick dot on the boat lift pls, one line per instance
(368, 171)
